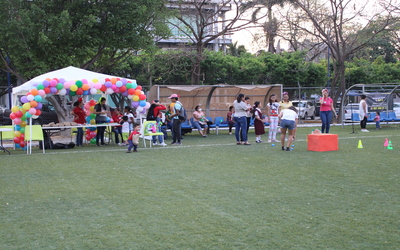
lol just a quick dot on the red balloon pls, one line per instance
(103, 88)
(92, 103)
(46, 90)
(139, 87)
(17, 140)
(122, 89)
(13, 116)
(22, 144)
(79, 91)
(131, 91)
(19, 114)
(22, 137)
(38, 112)
(142, 97)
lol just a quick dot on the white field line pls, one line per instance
(123, 149)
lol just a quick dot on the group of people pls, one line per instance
(239, 116)
(242, 111)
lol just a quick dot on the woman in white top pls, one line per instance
(289, 120)
(363, 113)
(240, 119)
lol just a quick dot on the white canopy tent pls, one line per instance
(68, 73)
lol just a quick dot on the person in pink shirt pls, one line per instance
(326, 111)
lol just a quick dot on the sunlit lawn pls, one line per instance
(207, 194)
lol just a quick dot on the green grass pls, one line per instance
(207, 194)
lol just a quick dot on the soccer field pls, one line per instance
(208, 193)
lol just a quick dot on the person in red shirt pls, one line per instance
(79, 117)
(117, 116)
(133, 138)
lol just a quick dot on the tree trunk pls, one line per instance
(196, 70)
(60, 105)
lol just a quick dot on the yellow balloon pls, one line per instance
(95, 80)
(135, 98)
(17, 133)
(23, 124)
(93, 121)
(26, 106)
(91, 108)
(15, 109)
(73, 88)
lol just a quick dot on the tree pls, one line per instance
(271, 26)
(45, 35)
(40, 36)
(338, 25)
(201, 22)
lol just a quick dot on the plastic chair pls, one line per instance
(384, 117)
(36, 135)
(186, 125)
(371, 117)
(218, 122)
(212, 126)
(355, 117)
(74, 131)
(392, 117)
(8, 135)
(147, 133)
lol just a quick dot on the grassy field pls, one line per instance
(208, 193)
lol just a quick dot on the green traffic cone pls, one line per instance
(390, 146)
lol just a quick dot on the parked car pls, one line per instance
(306, 109)
(47, 116)
(396, 109)
(349, 109)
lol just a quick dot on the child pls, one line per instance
(125, 129)
(133, 139)
(377, 120)
(258, 122)
(229, 118)
(272, 113)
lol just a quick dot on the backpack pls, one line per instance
(182, 113)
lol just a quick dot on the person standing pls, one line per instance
(377, 120)
(79, 117)
(133, 139)
(272, 113)
(285, 103)
(363, 113)
(289, 118)
(117, 116)
(326, 110)
(100, 109)
(175, 108)
(229, 118)
(154, 114)
(131, 117)
(240, 120)
(258, 122)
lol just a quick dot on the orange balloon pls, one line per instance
(113, 80)
(85, 87)
(34, 92)
(138, 92)
(33, 104)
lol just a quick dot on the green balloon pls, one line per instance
(40, 86)
(79, 84)
(59, 86)
(128, 85)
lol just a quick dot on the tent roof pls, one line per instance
(68, 73)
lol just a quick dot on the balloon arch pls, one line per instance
(31, 102)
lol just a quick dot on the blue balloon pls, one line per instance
(142, 103)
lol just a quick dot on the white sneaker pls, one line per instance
(155, 144)
(275, 140)
(269, 140)
(364, 130)
(163, 144)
